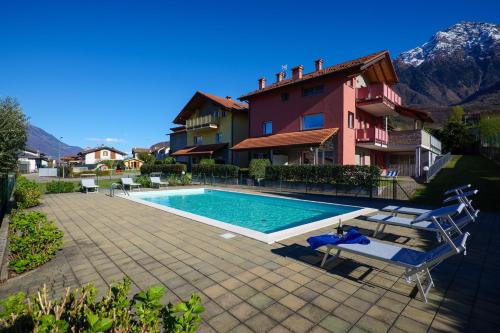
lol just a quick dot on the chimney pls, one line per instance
(297, 72)
(318, 63)
(262, 83)
(228, 97)
(279, 77)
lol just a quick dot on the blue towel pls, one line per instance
(350, 237)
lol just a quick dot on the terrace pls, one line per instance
(250, 286)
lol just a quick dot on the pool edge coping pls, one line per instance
(260, 236)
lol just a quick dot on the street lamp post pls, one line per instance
(59, 156)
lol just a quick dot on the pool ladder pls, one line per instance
(117, 185)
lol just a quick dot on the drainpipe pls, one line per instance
(418, 153)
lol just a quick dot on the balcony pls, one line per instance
(378, 99)
(203, 122)
(371, 137)
(414, 138)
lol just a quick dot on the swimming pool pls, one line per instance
(263, 217)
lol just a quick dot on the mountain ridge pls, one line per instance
(457, 66)
(44, 142)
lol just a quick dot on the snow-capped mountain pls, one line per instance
(472, 39)
(460, 65)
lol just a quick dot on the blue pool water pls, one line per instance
(260, 213)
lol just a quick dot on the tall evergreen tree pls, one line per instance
(13, 133)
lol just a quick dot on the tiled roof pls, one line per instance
(302, 138)
(91, 150)
(200, 150)
(199, 96)
(226, 102)
(351, 64)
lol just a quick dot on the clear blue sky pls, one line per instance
(90, 70)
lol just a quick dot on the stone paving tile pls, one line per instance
(261, 323)
(249, 286)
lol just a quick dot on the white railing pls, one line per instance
(437, 166)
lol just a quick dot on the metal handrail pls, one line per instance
(117, 185)
(437, 166)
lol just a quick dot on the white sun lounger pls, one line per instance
(89, 184)
(459, 196)
(156, 181)
(416, 263)
(423, 222)
(128, 182)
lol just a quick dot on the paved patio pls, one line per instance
(249, 286)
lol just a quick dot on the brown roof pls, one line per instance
(200, 150)
(355, 64)
(91, 150)
(413, 113)
(201, 97)
(302, 138)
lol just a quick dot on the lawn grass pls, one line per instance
(479, 171)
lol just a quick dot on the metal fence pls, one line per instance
(7, 182)
(392, 188)
(437, 166)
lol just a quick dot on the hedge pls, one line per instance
(216, 170)
(359, 175)
(56, 186)
(166, 169)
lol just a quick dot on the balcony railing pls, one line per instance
(377, 91)
(208, 121)
(373, 134)
(415, 137)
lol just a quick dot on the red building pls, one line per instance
(337, 115)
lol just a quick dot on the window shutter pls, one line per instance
(98, 154)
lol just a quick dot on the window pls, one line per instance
(216, 114)
(218, 137)
(198, 140)
(317, 90)
(312, 121)
(350, 120)
(104, 153)
(267, 127)
(285, 97)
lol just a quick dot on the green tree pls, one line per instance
(147, 158)
(457, 114)
(13, 133)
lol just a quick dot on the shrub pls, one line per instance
(216, 170)
(357, 175)
(186, 179)
(172, 180)
(207, 161)
(33, 240)
(147, 158)
(166, 169)
(27, 193)
(56, 186)
(257, 168)
(169, 160)
(144, 181)
(78, 311)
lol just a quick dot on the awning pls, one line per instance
(301, 138)
(200, 150)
